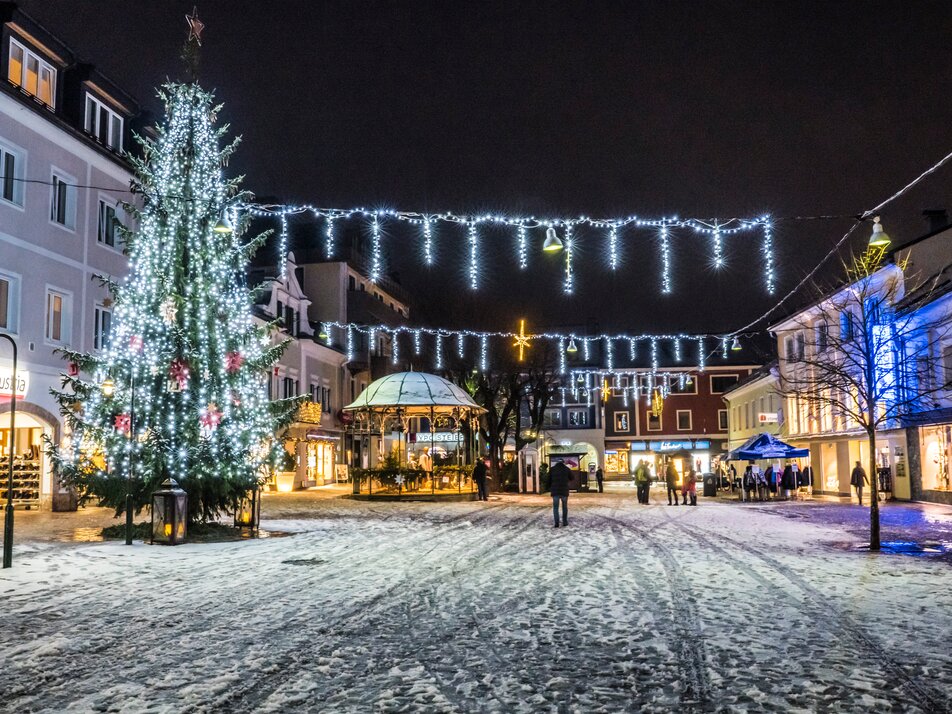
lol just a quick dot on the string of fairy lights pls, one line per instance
(560, 236)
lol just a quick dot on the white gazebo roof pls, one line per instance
(413, 391)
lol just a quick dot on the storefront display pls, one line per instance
(936, 449)
(27, 466)
(616, 461)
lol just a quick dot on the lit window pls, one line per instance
(107, 223)
(11, 175)
(103, 328)
(578, 417)
(57, 317)
(103, 123)
(622, 422)
(31, 73)
(63, 202)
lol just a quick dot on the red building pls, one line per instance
(680, 412)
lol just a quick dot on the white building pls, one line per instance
(63, 127)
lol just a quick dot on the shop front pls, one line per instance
(685, 453)
(931, 446)
(833, 461)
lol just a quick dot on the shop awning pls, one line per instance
(766, 446)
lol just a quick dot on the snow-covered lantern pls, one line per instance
(169, 513)
(248, 514)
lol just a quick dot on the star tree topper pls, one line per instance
(195, 26)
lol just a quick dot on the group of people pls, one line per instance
(688, 488)
(766, 484)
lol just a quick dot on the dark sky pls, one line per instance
(694, 108)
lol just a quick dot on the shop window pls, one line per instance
(9, 302)
(684, 419)
(31, 73)
(622, 422)
(722, 420)
(616, 462)
(720, 383)
(11, 175)
(936, 450)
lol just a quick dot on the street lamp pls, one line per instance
(878, 239)
(108, 388)
(8, 514)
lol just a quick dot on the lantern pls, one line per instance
(248, 514)
(169, 511)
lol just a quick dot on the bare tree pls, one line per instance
(865, 355)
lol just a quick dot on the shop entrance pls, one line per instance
(32, 481)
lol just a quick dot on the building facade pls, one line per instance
(63, 129)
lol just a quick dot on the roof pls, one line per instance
(416, 391)
(768, 370)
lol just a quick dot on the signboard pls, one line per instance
(570, 461)
(638, 446)
(7, 388)
(768, 418)
(675, 445)
(439, 437)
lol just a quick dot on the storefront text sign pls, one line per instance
(7, 386)
(768, 417)
(440, 437)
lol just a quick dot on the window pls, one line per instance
(103, 123)
(351, 282)
(63, 202)
(107, 223)
(619, 385)
(31, 73)
(290, 387)
(684, 420)
(9, 302)
(822, 336)
(57, 317)
(11, 175)
(874, 311)
(720, 383)
(654, 422)
(689, 386)
(947, 364)
(722, 420)
(578, 417)
(103, 328)
(801, 346)
(846, 325)
(552, 418)
(621, 421)
(326, 400)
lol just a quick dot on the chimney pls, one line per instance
(938, 218)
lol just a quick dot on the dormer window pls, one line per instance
(103, 123)
(31, 73)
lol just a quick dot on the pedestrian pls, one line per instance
(600, 480)
(671, 480)
(479, 476)
(559, 476)
(769, 482)
(689, 487)
(858, 480)
(732, 475)
(788, 481)
(642, 481)
(761, 478)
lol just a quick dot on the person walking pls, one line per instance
(689, 487)
(858, 480)
(479, 476)
(671, 480)
(600, 480)
(559, 476)
(642, 481)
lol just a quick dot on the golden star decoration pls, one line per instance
(195, 26)
(522, 340)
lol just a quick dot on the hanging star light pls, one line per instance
(522, 340)
(195, 26)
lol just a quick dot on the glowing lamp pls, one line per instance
(735, 345)
(248, 514)
(224, 225)
(108, 387)
(572, 348)
(552, 243)
(169, 514)
(878, 239)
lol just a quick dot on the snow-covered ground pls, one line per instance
(481, 607)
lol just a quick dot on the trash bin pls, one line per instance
(710, 485)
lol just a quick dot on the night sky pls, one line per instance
(690, 108)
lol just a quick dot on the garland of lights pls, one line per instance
(717, 230)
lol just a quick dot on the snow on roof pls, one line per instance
(412, 389)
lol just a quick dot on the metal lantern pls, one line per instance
(169, 513)
(248, 514)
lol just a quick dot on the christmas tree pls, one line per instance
(181, 390)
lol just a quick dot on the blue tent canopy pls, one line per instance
(766, 446)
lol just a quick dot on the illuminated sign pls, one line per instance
(768, 417)
(7, 386)
(440, 437)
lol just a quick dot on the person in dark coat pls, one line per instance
(600, 480)
(788, 481)
(479, 476)
(642, 481)
(858, 480)
(559, 476)
(671, 481)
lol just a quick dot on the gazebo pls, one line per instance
(389, 416)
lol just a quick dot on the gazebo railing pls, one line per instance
(404, 481)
